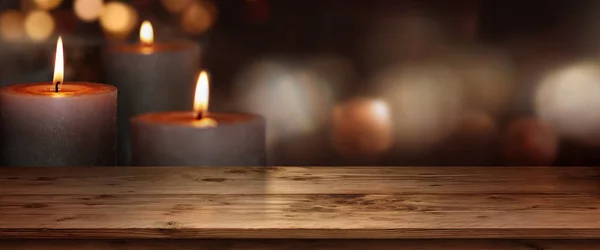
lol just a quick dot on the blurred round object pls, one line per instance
(198, 17)
(118, 19)
(88, 10)
(530, 142)
(425, 102)
(569, 99)
(39, 25)
(12, 25)
(175, 6)
(488, 80)
(47, 4)
(295, 102)
(362, 129)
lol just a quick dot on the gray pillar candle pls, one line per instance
(178, 139)
(73, 127)
(57, 123)
(151, 77)
(198, 139)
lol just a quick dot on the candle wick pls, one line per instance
(56, 86)
(199, 115)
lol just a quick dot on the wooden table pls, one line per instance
(300, 208)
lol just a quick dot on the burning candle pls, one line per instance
(198, 138)
(151, 77)
(58, 123)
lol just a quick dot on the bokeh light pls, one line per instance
(12, 25)
(362, 129)
(47, 4)
(39, 25)
(118, 19)
(569, 99)
(88, 10)
(198, 17)
(530, 142)
(176, 6)
(425, 102)
(295, 102)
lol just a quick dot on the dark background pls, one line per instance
(350, 43)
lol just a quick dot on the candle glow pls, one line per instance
(58, 65)
(118, 19)
(146, 33)
(201, 95)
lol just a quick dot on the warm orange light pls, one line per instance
(118, 19)
(362, 129)
(59, 65)
(146, 33)
(201, 96)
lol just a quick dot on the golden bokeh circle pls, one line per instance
(39, 25)
(88, 10)
(118, 19)
(198, 17)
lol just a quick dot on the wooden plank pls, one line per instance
(299, 244)
(299, 180)
(300, 202)
(301, 216)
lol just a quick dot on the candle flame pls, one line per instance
(59, 64)
(146, 33)
(201, 96)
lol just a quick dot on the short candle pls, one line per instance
(151, 77)
(58, 123)
(198, 138)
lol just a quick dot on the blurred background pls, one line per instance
(403, 82)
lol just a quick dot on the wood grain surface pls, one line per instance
(300, 244)
(300, 203)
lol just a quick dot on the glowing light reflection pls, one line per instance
(295, 102)
(362, 129)
(425, 104)
(118, 19)
(569, 99)
(88, 10)
(39, 25)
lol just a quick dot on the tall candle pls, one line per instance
(151, 77)
(58, 124)
(198, 138)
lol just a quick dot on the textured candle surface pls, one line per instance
(73, 127)
(176, 138)
(150, 78)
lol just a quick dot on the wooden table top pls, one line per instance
(300, 202)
